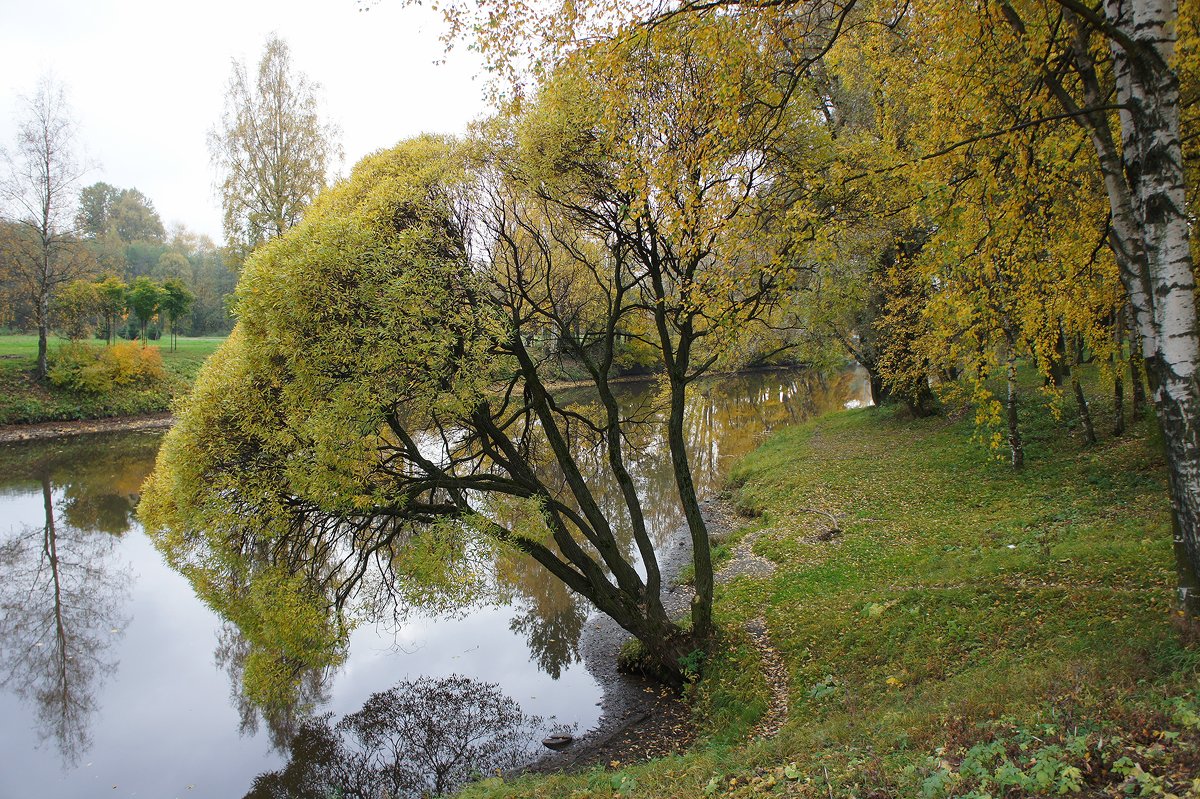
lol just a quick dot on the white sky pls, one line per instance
(146, 80)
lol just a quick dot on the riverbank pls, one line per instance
(25, 401)
(942, 625)
(32, 411)
(639, 719)
(39, 431)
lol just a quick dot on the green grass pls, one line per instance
(23, 400)
(975, 631)
(18, 345)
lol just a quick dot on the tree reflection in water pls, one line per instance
(283, 721)
(61, 604)
(424, 736)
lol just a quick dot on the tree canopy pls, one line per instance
(272, 150)
(388, 388)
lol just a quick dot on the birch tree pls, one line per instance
(272, 150)
(1144, 179)
(38, 193)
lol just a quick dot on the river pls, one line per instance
(116, 680)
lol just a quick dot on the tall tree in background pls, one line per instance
(38, 191)
(95, 207)
(144, 298)
(271, 150)
(127, 214)
(175, 302)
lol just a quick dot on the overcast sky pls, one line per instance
(146, 80)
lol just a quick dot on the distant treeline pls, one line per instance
(120, 237)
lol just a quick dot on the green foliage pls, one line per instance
(79, 367)
(110, 302)
(144, 297)
(363, 308)
(126, 214)
(281, 614)
(175, 302)
(75, 306)
(1051, 760)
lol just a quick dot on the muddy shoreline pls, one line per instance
(40, 431)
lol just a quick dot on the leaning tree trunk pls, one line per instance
(702, 627)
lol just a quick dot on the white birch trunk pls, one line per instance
(1148, 90)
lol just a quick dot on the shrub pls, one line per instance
(79, 367)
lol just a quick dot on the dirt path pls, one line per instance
(746, 563)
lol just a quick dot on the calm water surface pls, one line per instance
(115, 680)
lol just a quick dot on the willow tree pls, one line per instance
(383, 420)
(358, 439)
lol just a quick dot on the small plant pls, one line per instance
(631, 657)
(825, 688)
(1045, 760)
(691, 663)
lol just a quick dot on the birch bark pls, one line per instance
(1142, 39)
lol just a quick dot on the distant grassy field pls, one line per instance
(23, 400)
(25, 346)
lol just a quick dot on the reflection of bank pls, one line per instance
(62, 598)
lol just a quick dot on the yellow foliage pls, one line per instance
(96, 370)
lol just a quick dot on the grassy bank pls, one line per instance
(972, 631)
(24, 400)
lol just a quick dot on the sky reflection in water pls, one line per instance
(123, 685)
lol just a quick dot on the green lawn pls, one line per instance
(18, 345)
(22, 400)
(973, 632)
